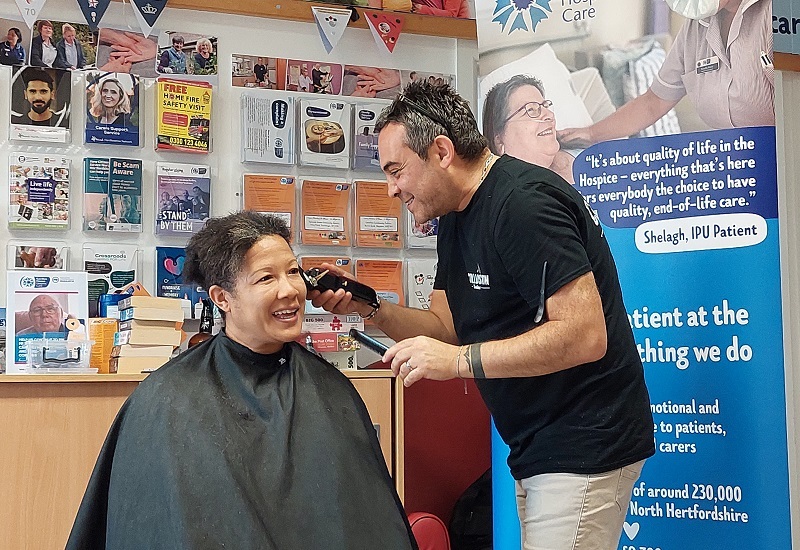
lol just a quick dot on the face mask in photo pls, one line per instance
(694, 9)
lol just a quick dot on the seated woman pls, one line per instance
(517, 121)
(248, 440)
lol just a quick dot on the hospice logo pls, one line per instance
(520, 14)
(526, 15)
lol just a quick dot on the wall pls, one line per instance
(236, 34)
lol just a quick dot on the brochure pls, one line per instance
(110, 267)
(365, 140)
(184, 198)
(326, 219)
(325, 133)
(420, 275)
(378, 216)
(38, 191)
(268, 120)
(385, 276)
(40, 104)
(112, 195)
(273, 195)
(183, 115)
(112, 108)
(342, 262)
(30, 255)
(169, 277)
(422, 235)
(41, 305)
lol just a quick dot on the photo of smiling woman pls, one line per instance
(112, 108)
(247, 440)
(518, 121)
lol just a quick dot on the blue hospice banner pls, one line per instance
(692, 221)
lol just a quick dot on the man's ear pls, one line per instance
(498, 145)
(220, 297)
(444, 150)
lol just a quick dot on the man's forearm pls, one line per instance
(551, 347)
(400, 322)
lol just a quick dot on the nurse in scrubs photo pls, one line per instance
(721, 60)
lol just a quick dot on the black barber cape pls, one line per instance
(226, 448)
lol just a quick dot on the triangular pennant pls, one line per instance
(385, 27)
(147, 12)
(93, 11)
(30, 10)
(331, 24)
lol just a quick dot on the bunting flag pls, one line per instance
(93, 11)
(385, 27)
(147, 12)
(30, 10)
(331, 24)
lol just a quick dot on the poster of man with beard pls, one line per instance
(40, 104)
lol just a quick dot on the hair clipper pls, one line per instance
(324, 280)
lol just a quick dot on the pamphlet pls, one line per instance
(112, 108)
(385, 276)
(421, 235)
(38, 191)
(326, 219)
(365, 140)
(420, 275)
(112, 195)
(110, 268)
(184, 198)
(30, 255)
(183, 115)
(273, 195)
(268, 120)
(378, 216)
(342, 262)
(41, 305)
(325, 133)
(169, 277)
(40, 104)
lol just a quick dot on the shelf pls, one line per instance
(297, 10)
(61, 378)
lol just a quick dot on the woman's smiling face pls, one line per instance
(530, 139)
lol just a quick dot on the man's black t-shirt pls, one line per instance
(26, 119)
(587, 419)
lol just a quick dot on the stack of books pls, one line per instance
(149, 329)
